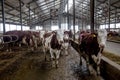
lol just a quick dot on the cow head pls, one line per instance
(60, 35)
(102, 37)
(66, 35)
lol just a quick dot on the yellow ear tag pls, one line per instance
(94, 35)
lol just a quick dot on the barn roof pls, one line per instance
(37, 11)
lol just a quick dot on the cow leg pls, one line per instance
(31, 45)
(52, 57)
(52, 54)
(69, 43)
(90, 70)
(44, 50)
(66, 45)
(58, 54)
(35, 41)
(24, 40)
(9, 47)
(98, 63)
(94, 58)
(19, 44)
(87, 62)
(56, 63)
(66, 51)
(57, 57)
(80, 60)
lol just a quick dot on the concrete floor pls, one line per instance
(33, 67)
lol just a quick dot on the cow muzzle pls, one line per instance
(61, 42)
(101, 45)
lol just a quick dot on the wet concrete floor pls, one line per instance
(33, 67)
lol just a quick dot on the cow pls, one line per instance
(36, 38)
(53, 42)
(29, 39)
(18, 37)
(46, 37)
(92, 45)
(43, 35)
(77, 36)
(66, 41)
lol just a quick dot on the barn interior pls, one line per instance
(38, 15)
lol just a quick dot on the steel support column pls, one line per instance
(109, 15)
(20, 13)
(3, 15)
(29, 15)
(92, 15)
(95, 23)
(74, 19)
(34, 15)
(59, 21)
(60, 13)
(82, 16)
(78, 24)
(105, 22)
(115, 17)
(68, 20)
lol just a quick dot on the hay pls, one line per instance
(112, 57)
(116, 38)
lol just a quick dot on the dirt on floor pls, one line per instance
(32, 66)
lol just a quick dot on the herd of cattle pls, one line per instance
(92, 44)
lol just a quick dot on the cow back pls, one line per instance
(54, 42)
(47, 34)
(89, 44)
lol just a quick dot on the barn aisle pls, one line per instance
(33, 67)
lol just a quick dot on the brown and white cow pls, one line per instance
(18, 37)
(53, 42)
(66, 41)
(92, 45)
